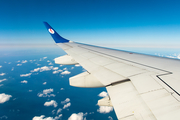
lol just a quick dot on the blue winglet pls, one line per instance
(57, 38)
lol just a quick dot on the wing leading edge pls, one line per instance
(139, 86)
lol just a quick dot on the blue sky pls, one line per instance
(103, 22)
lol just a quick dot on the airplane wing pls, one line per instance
(140, 87)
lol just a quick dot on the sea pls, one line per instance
(33, 87)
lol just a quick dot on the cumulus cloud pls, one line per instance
(44, 57)
(62, 89)
(77, 65)
(25, 75)
(2, 74)
(9, 63)
(66, 105)
(55, 68)
(24, 61)
(110, 118)
(51, 103)
(12, 69)
(103, 94)
(65, 101)
(75, 116)
(4, 117)
(50, 63)
(55, 72)
(30, 90)
(24, 81)
(44, 83)
(46, 93)
(41, 69)
(42, 117)
(3, 80)
(4, 97)
(58, 117)
(19, 64)
(0, 66)
(58, 111)
(105, 109)
(65, 72)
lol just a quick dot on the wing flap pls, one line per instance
(128, 103)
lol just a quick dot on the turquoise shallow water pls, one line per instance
(25, 102)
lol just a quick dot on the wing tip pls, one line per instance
(57, 38)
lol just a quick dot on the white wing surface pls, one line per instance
(140, 87)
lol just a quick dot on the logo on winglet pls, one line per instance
(51, 31)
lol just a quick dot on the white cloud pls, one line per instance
(72, 68)
(25, 75)
(65, 101)
(55, 68)
(103, 94)
(44, 57)
(35, 70)
(178, 56)
(24, 61)
(12, 69)
(0, 66)
(41, 69)
(58, 111)
(4, 97)
(65, 69)
(105, 109)
(18, 61)
(2, 74)
(4, 117)
(19, 64)
(62, 89)
(9, 63)
(3, 80)
(66, 105)
(58, 117)
(55, 72)
(77, 65)
(24, 81)
(42, 117)
(44, 83)
(53, 112)
(75, 116)
(61, 65)
(51, 103)
(30, 90)
(50, 63)
(110, 118)
(46, 93)
(1, 85)
(65, 72)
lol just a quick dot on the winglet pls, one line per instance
(57, 38)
